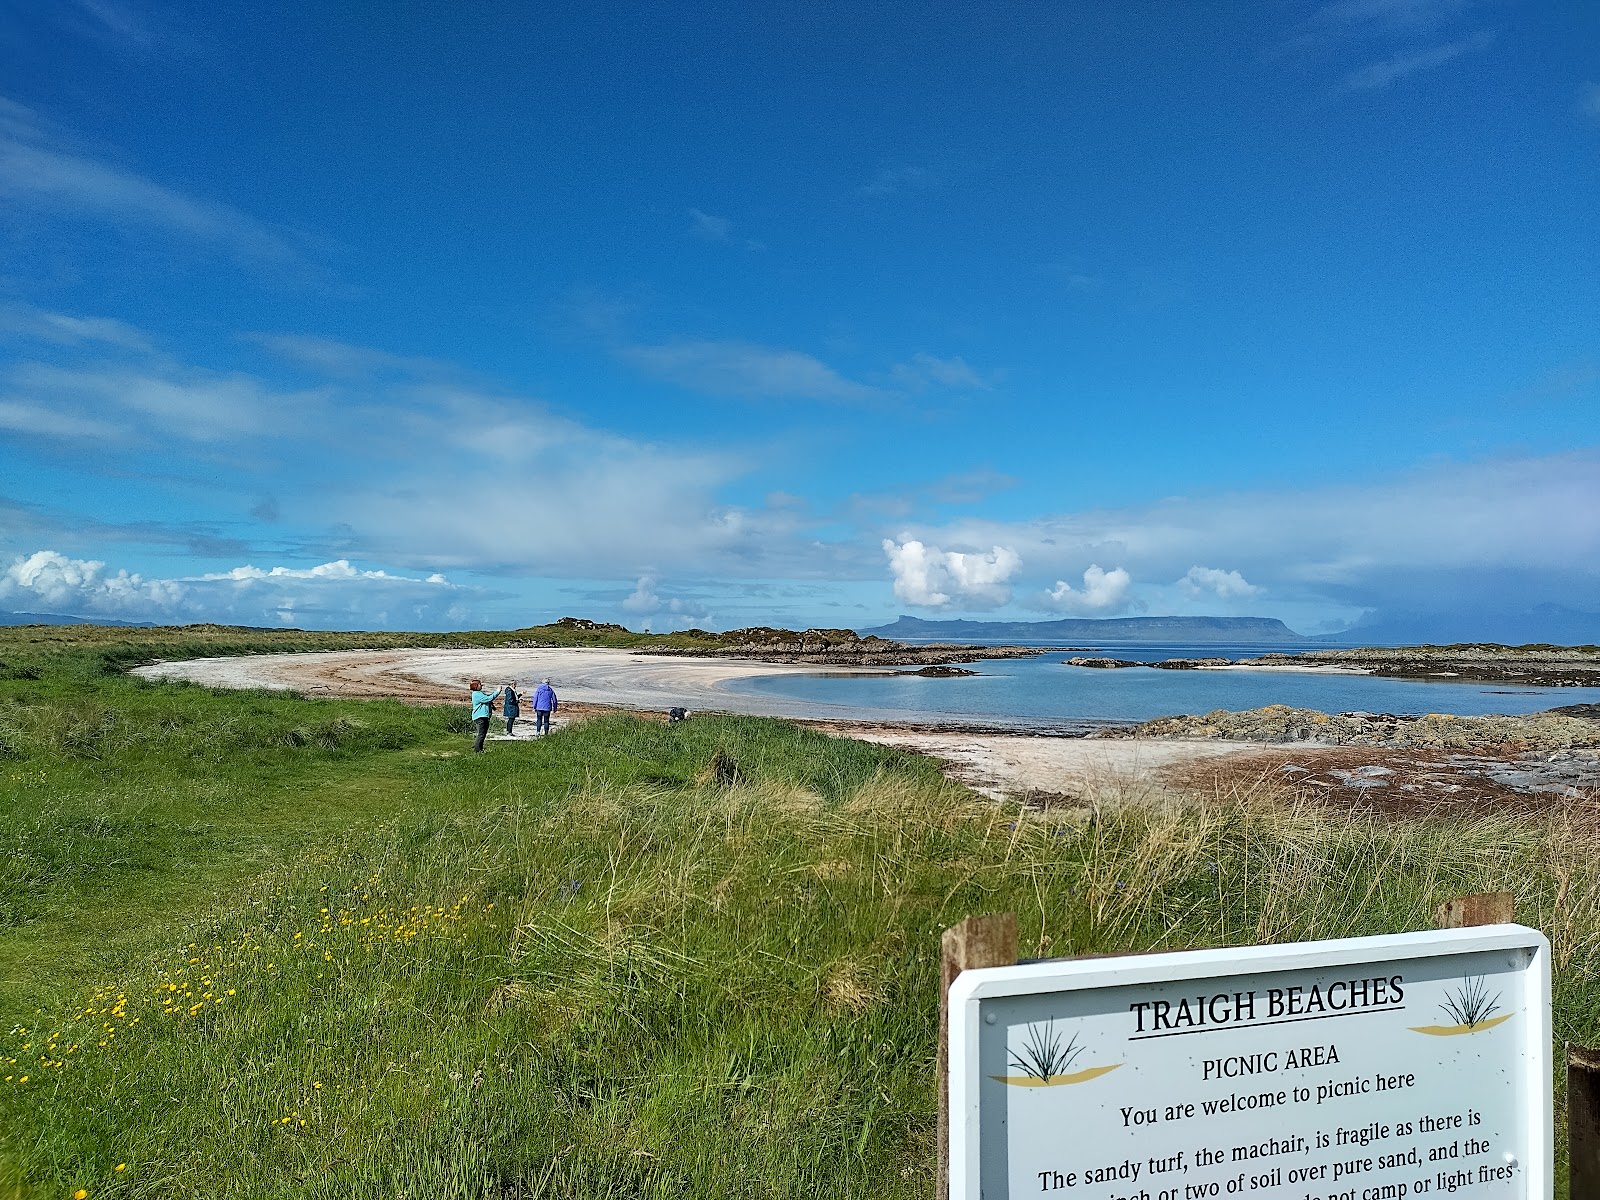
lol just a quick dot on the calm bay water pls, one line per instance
(1034, 692)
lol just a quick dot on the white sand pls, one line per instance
(993, 763)
(616, 678)
(1001, 765)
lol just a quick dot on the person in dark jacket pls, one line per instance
(482, 710)
(510, 705)
(544, 707)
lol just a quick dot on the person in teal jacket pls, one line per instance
(482, 711)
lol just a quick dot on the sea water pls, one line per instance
(1044, 693)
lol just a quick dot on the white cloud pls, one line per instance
(1382, 74)
(660, 612)
(747, 370)
(890, 181)
(928, 577)
(342, 360)
(63, 330)
(38, 169)
(925, 370)
(713, 229)
(39, 421)
(1210, 581)
(1429, 538)
(48, 581)
(1104, 593)
(334, 593)
(200, 406)
(643, 598)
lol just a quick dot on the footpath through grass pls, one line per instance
(266, 946)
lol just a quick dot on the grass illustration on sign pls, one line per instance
(1472, 1008)
(1045, 1057)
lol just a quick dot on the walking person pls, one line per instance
(544, 707)
(482, 710)
(510, 705)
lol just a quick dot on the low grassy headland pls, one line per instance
(260, 945)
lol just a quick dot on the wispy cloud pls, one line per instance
(892, 181)
(195, 405)
(39, 421)
(1382, 74)
(710, 228)
(37, 324)
(1589, 105)
(38, 169)
(342, 360)
(749, 371)
(1386, 17)
(926, 370)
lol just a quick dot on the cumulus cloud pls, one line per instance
(674, 612)
(928, 577)
(334, 593)
(643, 598)
(1104, 593)
(1202, 582)
(1448, 535)
(52, 582)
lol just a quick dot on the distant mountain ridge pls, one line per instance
(1103, 629)
(27, 618)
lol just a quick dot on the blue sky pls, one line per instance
(478, 315)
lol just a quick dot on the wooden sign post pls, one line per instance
(989, 941)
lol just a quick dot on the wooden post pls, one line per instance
(1583, 1122)
(988, 941)
(1481, 908)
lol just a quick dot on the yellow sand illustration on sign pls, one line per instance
(1453, 1030)
(1055, 1080)
(1471, 1006)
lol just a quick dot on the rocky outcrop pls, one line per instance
(1109, 663)
(1531, 666)
(836, 648)
(1436, 731)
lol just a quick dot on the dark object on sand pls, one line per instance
(674, 715)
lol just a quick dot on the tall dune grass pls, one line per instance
(588, 966)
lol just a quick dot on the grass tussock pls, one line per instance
(590, 966)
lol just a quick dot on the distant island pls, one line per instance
(1247, 630)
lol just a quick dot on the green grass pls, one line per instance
(329, 954)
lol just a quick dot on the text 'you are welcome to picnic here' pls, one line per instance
(1321, 1119)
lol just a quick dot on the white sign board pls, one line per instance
(1381, 1068)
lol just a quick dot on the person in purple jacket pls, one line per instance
(544, 706)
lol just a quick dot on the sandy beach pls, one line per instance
(995, 763)
(998, 763)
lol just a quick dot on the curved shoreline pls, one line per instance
(599, 677)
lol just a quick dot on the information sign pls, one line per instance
(1380, 1068)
